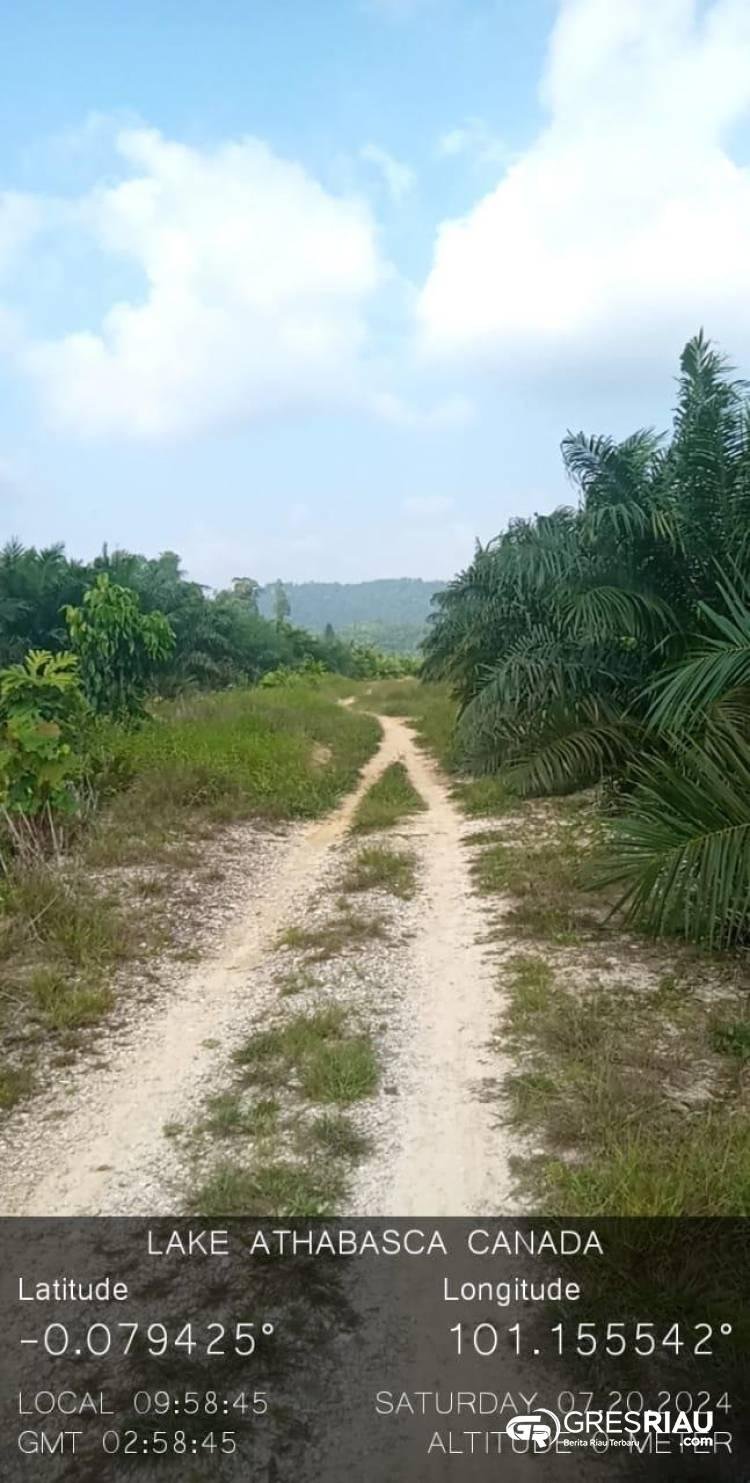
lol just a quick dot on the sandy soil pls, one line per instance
(451, 1155)
(443, 1151)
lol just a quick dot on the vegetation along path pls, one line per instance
(441, 1149)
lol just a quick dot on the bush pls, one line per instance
(42, 721)
(119, 647)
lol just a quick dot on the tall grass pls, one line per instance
(272, 754)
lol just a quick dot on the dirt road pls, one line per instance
(446, 1154)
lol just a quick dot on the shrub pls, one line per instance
(118, 645)
(42, 721)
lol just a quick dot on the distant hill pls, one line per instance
(391, 612)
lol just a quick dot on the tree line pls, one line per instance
(84, 647)
(609, 643)
(219, 639)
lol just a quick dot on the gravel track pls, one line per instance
(97, 1145)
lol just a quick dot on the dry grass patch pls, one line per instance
(298, 981)
(637, 1092)
(62, 1005)
(543, 871)
(375, 868)
(337, 1136)
(342, 933)
(60, 939)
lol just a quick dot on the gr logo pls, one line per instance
(540, 1427)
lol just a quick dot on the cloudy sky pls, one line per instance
(315, 288)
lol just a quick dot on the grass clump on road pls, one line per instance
(277, 1189)
(375, 868)
(340, 1070)
(343, 932)
(392, 798)
(297, 981)
(328, 1061)
(229, 1115)
(336, 1134)
(317, 1058)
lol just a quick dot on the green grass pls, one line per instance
(341, 1071)
(291, 1039)
(732, 1038)
(377, 868)
(64, 919)
(64, 1005)
(234, 754)
(392, 798)
(533, 981)
(229, 1115)
(272, 1189)
(485, 798)
(700, 1166)
(330, 1063)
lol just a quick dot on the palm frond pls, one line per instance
(717, 666)
(683, 852)
(578, 747)
(611, 612)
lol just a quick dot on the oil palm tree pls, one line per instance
(612, 639)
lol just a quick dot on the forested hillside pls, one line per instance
(215, 639)
(390, 613)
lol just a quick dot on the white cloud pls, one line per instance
(455, 411)
(255, 279)
(424, 506)
(20, 219)
(627, 223)
(399, 178)
(474, 140)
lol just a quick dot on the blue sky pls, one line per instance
(315, 289)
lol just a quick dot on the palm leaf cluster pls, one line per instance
(611, 640)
